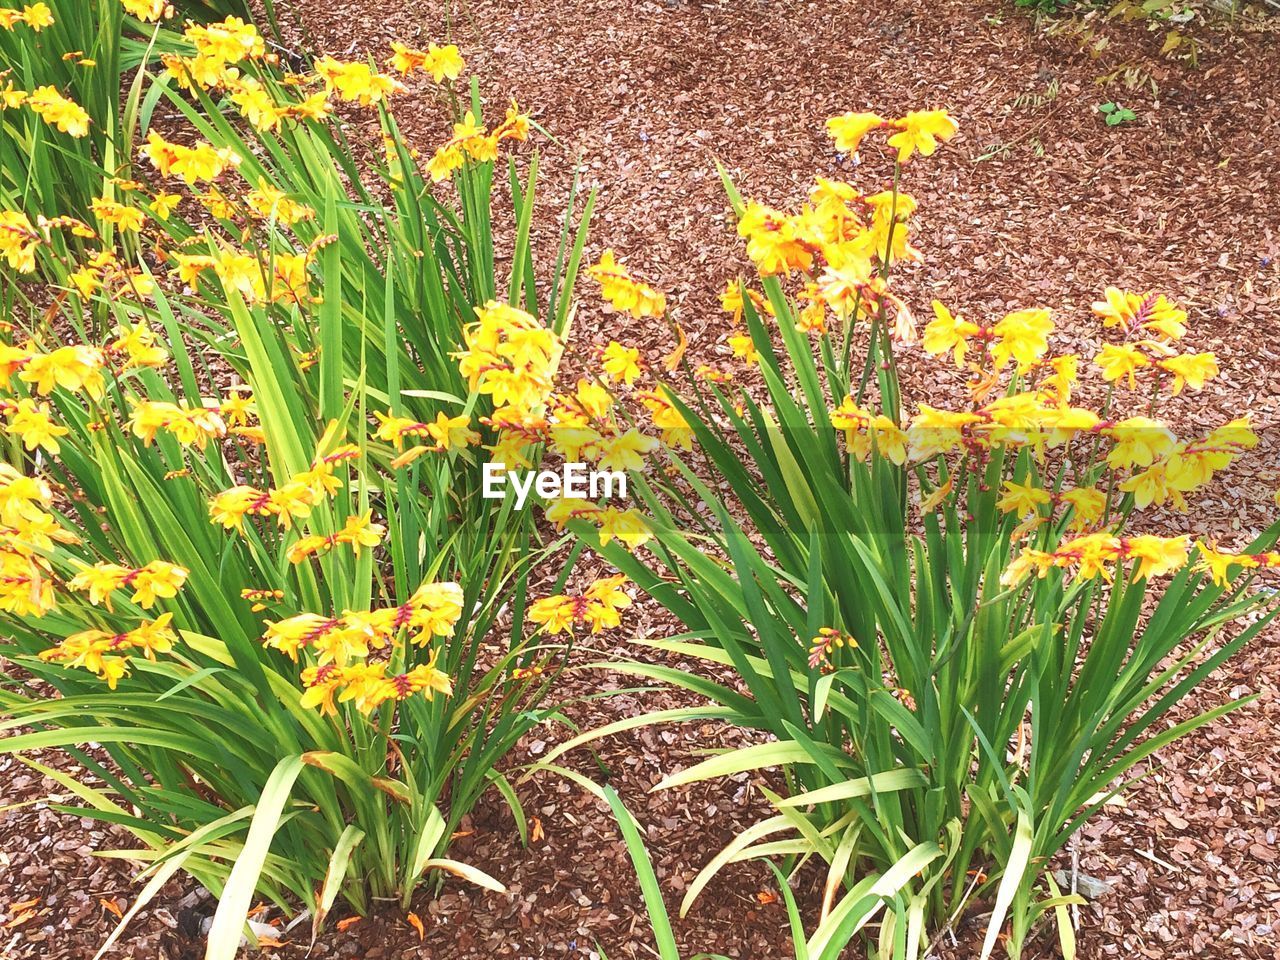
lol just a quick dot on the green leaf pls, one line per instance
(237, 895)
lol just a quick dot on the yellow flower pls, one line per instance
(18, 240)
(921, 130)
(599, 606)
(138, 345)
(731, 301)
(565, 509)
(1146, 311)
(1139, 441)
(38, 16)
(229, 41)
(157, 579)
(359, 531)
(1218, 565)
(674, 428)
(452, 433)
(625, 452)
(1023, 498)
(435, 609)
(187, 425)
(1066, 370)
(230, 507)
(330, 637)
(1150, 486)
(192, 164)
(91, 649)
(322, 684)
(26, 585)
(147, 10)
(21, 497)
(394, 429)
(59, 111)
(256, 104)
(628, 526)
(509, 356)
(1189, 369)
(1022, 336)
(828, 640)
(744, 348)
(440, 62)
(1118, 362)
(1157, 556)
(515, 125)
(948, 333)
(35, 427)
(272, 204)
(934, 432)
(774, 242)
(74, 367)
(1087, 505)
(117, 214)
(621, 363)
(848, 129)
(623, 292)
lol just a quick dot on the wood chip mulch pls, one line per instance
(1035, 203)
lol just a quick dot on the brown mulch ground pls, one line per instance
(646, 94)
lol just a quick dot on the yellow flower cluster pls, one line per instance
(155, 581)
(26, 529)
(432, 611)
(1087, 504)
(106, 654)
(840, 242)
(193, 164)
(470, 141)
(919, 131)
(583, 427)
(821, 647)
(291, 501)
(509, 356)
(75, 367)
(341, 645)
(18, 240)
(625, 293)
(359, 531)
(1218, 564)
(1097, 554)
(367, 685)
(599, 606)
(442, 62)
(189, 426)
(223, 49)
(1022, 336)
(37, 16)
(1152, 324)
(33, 424)
(57, 111)
(447, 433)
(287, 280)
(628, 526)
(1042, 417)
(148, 10)
(356, 82)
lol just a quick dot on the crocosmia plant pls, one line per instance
(961, 616)
(247, 396)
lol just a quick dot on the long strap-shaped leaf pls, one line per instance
(237, 895)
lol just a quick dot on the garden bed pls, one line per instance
(1036, 202)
